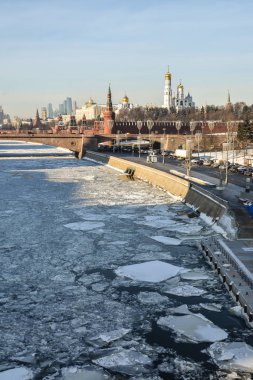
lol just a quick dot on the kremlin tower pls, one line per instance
(109, 115)
(167, 100)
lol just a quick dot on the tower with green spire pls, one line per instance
(109, 115)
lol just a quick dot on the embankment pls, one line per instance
(196, 197)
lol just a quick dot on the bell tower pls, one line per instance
(167, 98)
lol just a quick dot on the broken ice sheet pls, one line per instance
(194, 276)
(84, 226)
(150, 271)
(185, 291)
(232, 356)
(113, 335)
(74, 373)
(166, 240)
(195, 327)
(150, 298)
(211, 306)
(19, 373)
(130, 362)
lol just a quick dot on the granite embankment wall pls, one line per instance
(196, 197)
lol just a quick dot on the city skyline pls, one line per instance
(57, 49)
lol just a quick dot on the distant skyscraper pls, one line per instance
(69, 106)
(61, 109)
(65, 107)
(50, 110)
(44, 113)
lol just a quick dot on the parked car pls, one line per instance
(248, 172)
(207, 162)
(241, 169)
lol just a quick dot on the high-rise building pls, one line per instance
(44, 113)
(61, 109)
(69, 106)
(50, 110)
(65, 107)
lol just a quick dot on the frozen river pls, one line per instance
(101, 278)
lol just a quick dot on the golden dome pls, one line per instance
(168, 75)
(180, 86)
(125, 99)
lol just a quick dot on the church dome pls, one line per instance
(168, 75)
(180, 86)
(125, 99)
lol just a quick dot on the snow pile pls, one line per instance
(151, 271)
(185, 291)
(232, 356)
(195, 327)
(19, 373)
(84, 226)
(167, 240)
(130, 362)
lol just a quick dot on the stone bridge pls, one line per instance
(76, 143)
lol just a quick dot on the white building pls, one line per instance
(179, 101)
(125, 104)
(90, 110)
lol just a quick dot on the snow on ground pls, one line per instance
(232, 355)
(151, 271)
(195, 328)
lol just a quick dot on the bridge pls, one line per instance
(76, 143)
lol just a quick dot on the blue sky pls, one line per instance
(58, 48)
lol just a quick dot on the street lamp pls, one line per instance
(211, 125)
(198, 138)
(150, 124)
(193, 125)
(163, 142)
(178, 126)
(188, 156)
(139, 126)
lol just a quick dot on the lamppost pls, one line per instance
(139, 126)
(193, 125)
(118, 139)
(163, 142)
(198, 138)
(211, 125)
(150, 124)
(188, 156)
(178, 126)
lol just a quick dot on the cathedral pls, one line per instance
(180, 101)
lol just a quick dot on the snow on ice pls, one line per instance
(19, 373)
(151, 271)
(84, 226)
(194, 276)
(185, 291)
(167, 240)
(195, 327)
(128, 361)
(232, 356)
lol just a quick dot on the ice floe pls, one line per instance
(19, 373)
(84, 226)
(232, 355)
(185, 291)
(167, 240)
(75, 373)
(151, 271)
(150, 298)
(194, 276)
(114, 335)
(211, 306)
(128, 361)
(195, 327)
